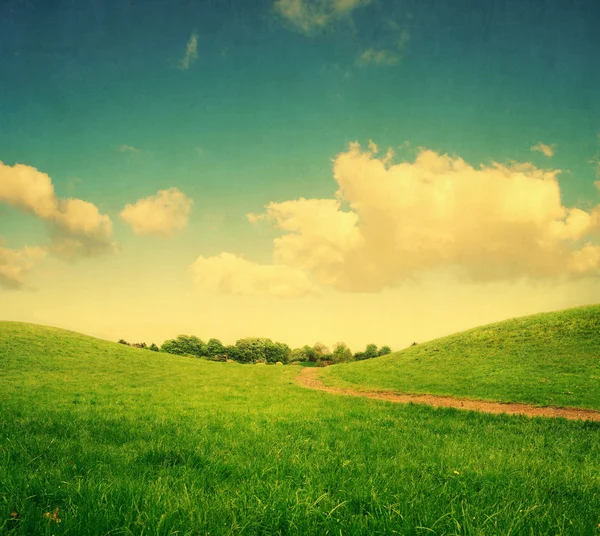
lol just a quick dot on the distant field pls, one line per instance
(127, 441)
(545, 359)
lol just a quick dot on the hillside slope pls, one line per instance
(110, 439)
(545, 359)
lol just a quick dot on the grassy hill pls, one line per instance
(113, 439)
(545, 359)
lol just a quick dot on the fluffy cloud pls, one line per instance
(385, 56)
(309, 15)
(317, 236)
(76, 226)
(159, 215)
(230, 274)
(490, 223)
(191, 53)
(546, 150)
(393, 222)
(15, 265)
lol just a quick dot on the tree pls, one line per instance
(321, 351)
(231, 352)
(153, 347)
(277, 351)
(371, 351)
(310, 353)
(250, 350)
(214, 347)
(185, 345)
(298, 355)
(384, 350)
(341, 353)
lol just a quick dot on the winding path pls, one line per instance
(309, 377)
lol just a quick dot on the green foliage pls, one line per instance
(277, 352)
(321, 352)
(130, 442)
(298, 355)
(384, 350)
(250, 350)
(214, 347)
(546, 359)
(371, 351)
(153, 347)
(341, 353)
(257, 349)
(231, 352)
(185, 345)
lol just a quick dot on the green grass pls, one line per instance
(545, 359)
(127, 441)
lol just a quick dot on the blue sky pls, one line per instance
(99, 96)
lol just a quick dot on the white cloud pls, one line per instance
(159, 215)
(191, 53)
(15, 265)
(128, 149)
(310, 15)
(76, 226)
(491, 223)
(378, 57)
(317, 236)
(230, 274)
(546, 150)
(385, 56)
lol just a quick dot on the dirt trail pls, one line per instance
(309, 378)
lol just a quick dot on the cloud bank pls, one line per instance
(77, 227)
(159, 215)
(401, 221)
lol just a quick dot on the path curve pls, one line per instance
(308, 377)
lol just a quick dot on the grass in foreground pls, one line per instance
(545, 359)
(126, 441)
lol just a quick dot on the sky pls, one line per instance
(366, 171)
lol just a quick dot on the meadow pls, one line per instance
(101, 438)
(544, 359)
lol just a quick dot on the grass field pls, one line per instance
(545, 359)
(127, 441)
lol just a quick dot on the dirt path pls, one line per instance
(309, 377)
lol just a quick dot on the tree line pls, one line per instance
(261, 350)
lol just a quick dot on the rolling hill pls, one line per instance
(99, 438)
(544, 359)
